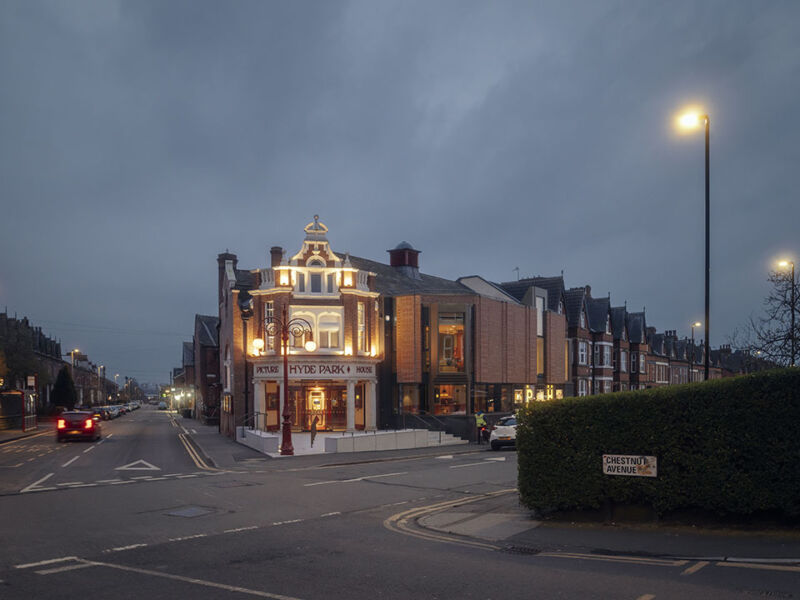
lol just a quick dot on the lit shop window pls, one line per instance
(451, 342)
(450, 400)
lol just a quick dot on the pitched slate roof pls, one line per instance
(188, 354)
(553, 285)
(574, 299)
(657, 345)
(206, 328)
(637, 327)
(598, 313)
(391, 281)
(619, 320)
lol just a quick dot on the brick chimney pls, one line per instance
(276, 255)
(222, 260)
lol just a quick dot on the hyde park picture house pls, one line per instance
(375, 346)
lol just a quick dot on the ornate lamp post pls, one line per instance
(284, 327)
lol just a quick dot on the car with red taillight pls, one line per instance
(77, 425)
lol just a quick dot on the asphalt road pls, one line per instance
(142, 514)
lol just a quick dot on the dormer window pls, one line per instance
(583, 320)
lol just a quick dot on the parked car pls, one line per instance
(113, 412)
(162, 405)
(504, 433)
(100, 413)
(76, 425)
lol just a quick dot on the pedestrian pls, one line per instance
(480, 424)
(314, 429)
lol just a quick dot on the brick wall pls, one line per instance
(555, 331)
(408, 338)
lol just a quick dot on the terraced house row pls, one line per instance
(394, 347)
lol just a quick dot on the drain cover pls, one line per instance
(233, 484)
(190, 511)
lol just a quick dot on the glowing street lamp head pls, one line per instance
(785, 264)
(696, 324)
(311, 345)
(689, 120)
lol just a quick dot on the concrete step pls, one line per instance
(440, 438)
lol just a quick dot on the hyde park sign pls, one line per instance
(317, 370)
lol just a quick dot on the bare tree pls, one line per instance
(770, 336)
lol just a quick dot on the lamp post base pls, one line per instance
(287, 449)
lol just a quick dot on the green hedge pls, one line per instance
(731, 446)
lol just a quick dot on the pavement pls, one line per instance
(502, 520)
(10, 435)
(225, 453)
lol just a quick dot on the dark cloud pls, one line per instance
(139, 139)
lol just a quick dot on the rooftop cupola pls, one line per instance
(315, 231)
(405, 259)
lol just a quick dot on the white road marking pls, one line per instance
(32, 486)
(123, 548)
(143, 477)
(445, 457)
(108, 480)
(70, 483)
(70, 461)
(356, 479)
(41, 563)
(194, 431)
(89, 449)
(212, 584)
(109, 435)
(467, 465)
(185, 476)
(330, 514)
(646, 597)
(138, 465)
(62, 569)
(122, 482)
(188, 537)
(240, 529)
(288, 522)
(497, 458)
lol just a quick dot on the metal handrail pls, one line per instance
(427, 424)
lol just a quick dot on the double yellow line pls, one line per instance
(193, 454)
(404, 522)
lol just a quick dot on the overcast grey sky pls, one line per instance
(140, 139)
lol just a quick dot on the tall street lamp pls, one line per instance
(693, 121)
(297, 328)
(784, 264)
(691, 356)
